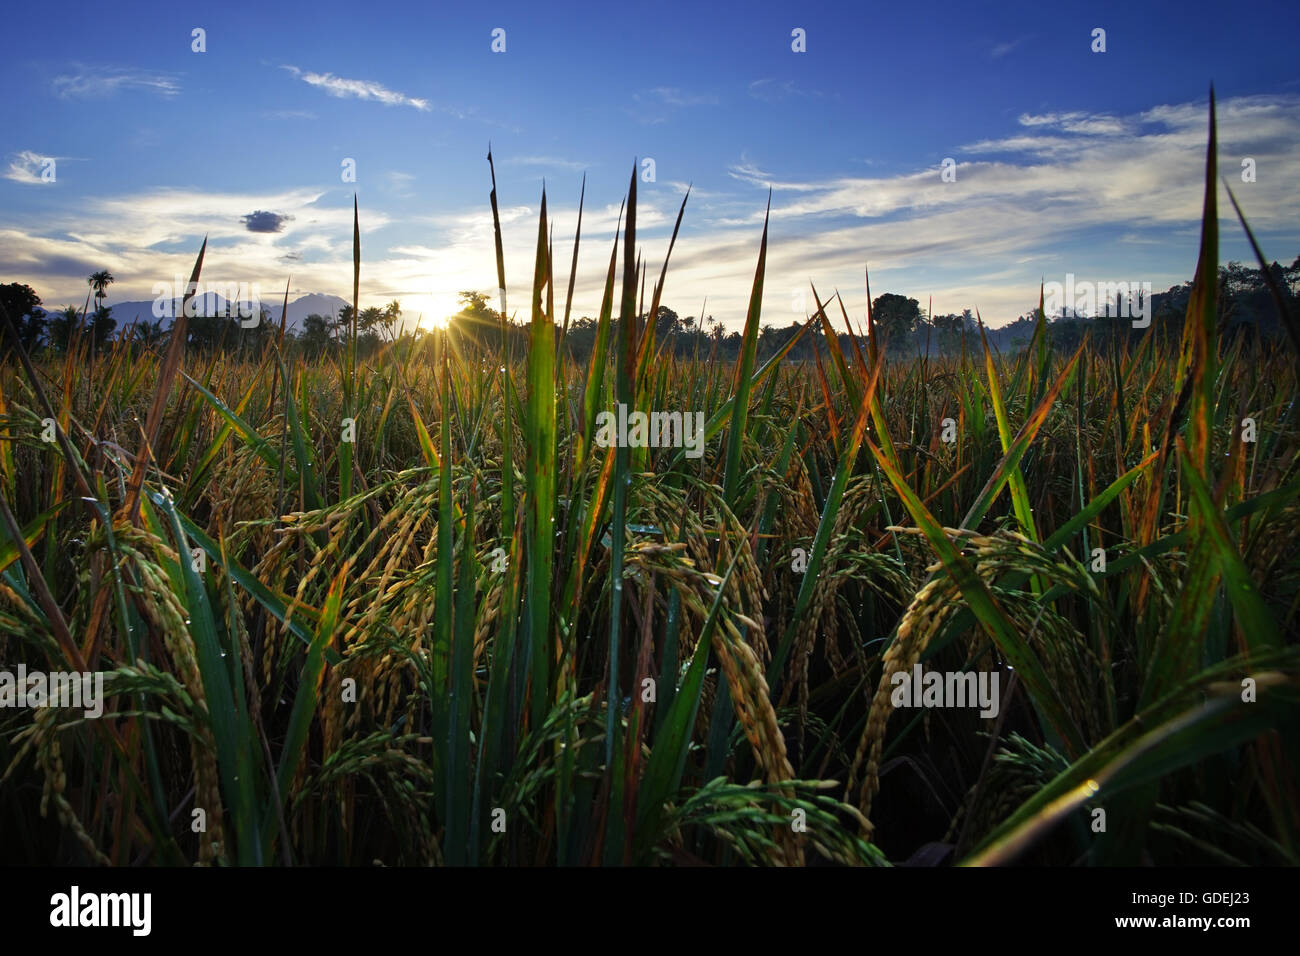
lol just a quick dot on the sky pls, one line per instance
(1065, 160)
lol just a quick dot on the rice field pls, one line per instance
(414, 608)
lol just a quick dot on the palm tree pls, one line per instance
(342, 325)
(99, 281)
(150, 334)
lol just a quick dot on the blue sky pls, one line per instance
(1067, 160)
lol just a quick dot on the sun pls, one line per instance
(430, 309)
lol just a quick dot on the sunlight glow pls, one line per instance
(430, 309)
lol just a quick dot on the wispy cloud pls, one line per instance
(1092, 124)
(98, 81)
(551, 161)
(749, 172)
(672, 96)
(658, 104)
(696, 192)
(771, 90)
(1035, 145)
(288, 114)
(1002, 49)
(399, 183)
(26, 167)
(343, 88)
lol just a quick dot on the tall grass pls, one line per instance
(474, 636)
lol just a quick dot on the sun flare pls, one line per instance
(429, 310)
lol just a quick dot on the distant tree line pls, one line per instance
(39, 329)
(1245, 307)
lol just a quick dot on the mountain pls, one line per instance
(314, 303)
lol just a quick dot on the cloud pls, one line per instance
(70, 266)
(26, 167)
(89, 82)
(551, 161)
(167, 217)
(1043, 146)
(288, 114)
(1146, 175)
(360, 89)
(399, 183)
(746, 171)
(672, 96)
(152, 236)
(1092, 124)
(697, 193)
(262, 221)
(1002, 49)
(775, 91)
(657, 104)
(1027, 203)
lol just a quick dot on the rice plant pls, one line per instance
(471, 633)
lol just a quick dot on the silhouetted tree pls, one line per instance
(23, 305)
(102, 325)
(61, 325)
(99, 281)
(666, 322)
(317, 334)
(476, 320)
(896, 316)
